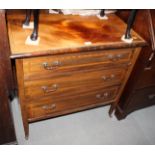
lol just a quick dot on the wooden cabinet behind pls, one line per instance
(7, 133)
(140, 89)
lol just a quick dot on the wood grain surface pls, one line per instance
(63, 34)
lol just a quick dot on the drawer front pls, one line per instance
(67, 85)
(147, 78)
(142, 98)
(50, 64)
(50, 107)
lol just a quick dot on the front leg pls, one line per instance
(34, 35)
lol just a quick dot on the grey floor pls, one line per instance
(89, 127)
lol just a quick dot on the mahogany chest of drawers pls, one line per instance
(80, 63)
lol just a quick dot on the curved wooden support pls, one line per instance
(130, 24)
(34, 35)
(28, 16)
(102, 13)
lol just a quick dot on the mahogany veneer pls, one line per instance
(80, 63)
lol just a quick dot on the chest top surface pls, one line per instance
(68, 34)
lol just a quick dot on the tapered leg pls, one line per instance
(28, 16)
(34, 34)
(26, 129)
(23, 105)
(130, 23)
(111, 110)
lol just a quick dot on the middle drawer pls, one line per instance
(73, 83)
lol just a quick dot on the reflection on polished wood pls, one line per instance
(61, 34)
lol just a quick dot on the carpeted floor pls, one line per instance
(89, 127)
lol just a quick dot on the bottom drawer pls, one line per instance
(47, 107)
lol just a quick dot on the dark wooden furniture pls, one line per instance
(7, 134)
(80, 63)
(140, 89)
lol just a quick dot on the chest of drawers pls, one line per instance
(62, 74)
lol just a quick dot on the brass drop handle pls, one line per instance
(113, 57)
(112, 76)
(151, 96)
(46, 89)
(49, 107)
(129, 64)
(106, 78)
(53, 65)
(119, 56)
(100, 96)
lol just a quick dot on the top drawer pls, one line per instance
(49, 64)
